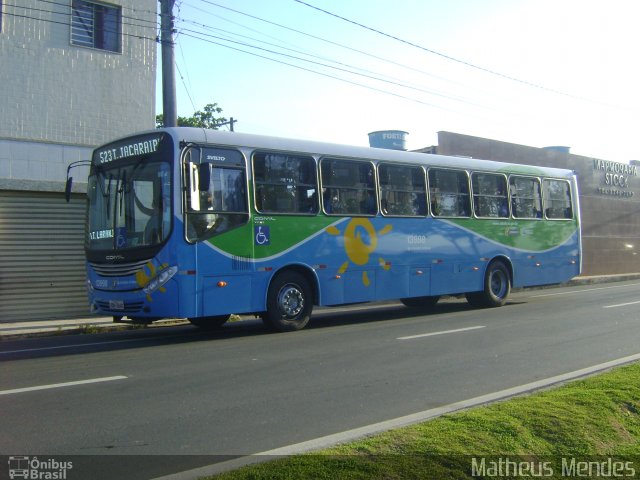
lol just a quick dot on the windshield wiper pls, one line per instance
(121, 190)
(107, 195)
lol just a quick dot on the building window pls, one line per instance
(96, 25)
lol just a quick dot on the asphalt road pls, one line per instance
(202, 397)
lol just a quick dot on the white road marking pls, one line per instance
(621, 304)
(444, 332)
(583, 291)
(75, 345)
(368, 430)
(61, 385)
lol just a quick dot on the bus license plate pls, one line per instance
(116, 305)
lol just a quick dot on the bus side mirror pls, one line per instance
(67, 189)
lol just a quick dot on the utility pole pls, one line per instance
(169, 107)
(230, 123)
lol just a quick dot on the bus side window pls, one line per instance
(489, 195)
(402, 190)
(285, 183)
(526, 198)
(348, 187)
(449, 190)
(557, 199)
(216, 194)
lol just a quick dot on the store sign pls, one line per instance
(615, 179)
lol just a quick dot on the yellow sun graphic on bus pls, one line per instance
(359, 251)
(142, 279)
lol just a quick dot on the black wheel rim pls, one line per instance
(498, 283)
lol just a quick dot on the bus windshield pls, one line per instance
(129, 205)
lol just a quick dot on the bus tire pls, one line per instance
(421, 302)
(497, 285)
(209, 323)
(289, 302)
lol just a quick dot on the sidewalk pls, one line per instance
(104, 324)
(75, 326)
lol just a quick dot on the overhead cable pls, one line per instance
(443, 55)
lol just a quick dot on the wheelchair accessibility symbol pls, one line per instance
(262, 235)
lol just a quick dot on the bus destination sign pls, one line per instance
(129, 148)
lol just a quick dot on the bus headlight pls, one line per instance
(163, 277)
(89, 286)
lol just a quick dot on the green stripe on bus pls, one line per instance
(284, 233)
(531, 235)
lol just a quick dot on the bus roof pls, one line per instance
(235, 139)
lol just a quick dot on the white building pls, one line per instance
(74, 74)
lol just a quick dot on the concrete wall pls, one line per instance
(57, 97)
(20, 160)
(57, 102)
(609, 197)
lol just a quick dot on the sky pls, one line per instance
(530, 72)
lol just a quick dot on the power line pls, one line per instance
(349, 68)
(237, 24)
(179, 6)
(300, 32)
(448, 57)
(369, 87)
(395, 81)
(185, 87)
(301, 52)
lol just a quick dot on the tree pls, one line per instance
(204, 118)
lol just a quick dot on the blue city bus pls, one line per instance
(201, 224)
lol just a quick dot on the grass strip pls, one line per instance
(585, 429)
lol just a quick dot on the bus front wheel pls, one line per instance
(209, 323)
(497, 285)
(289, 302)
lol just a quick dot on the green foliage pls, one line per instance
(205, 118)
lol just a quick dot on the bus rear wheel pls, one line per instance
(289, 302)
(209, 323)
(420, 302)
(497, 285)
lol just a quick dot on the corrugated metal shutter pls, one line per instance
(42, 273)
